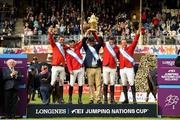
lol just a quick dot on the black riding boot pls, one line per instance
(70, 94)
(133, 89)
(80, 90)
(125, 90)
(112, 94)
(61, 101)
(105, 94)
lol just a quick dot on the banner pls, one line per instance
(169, 86)
(154, 49)
(96, 110)
(167, 72)
(140, 97)
(169, 100)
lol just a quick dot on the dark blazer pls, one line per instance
(45, 79)
(89, 56)
(9, 82)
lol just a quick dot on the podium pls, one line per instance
(91, 110)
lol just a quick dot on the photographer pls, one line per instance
(45, 79)
(35, 65)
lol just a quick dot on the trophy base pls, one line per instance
(92, 29)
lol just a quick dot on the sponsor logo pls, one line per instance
(170, 63)
(171, 100)
(77, 111)
(50, 111)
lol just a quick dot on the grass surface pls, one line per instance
(85, 99)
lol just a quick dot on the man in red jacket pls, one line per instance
(75, 67)
(110, 56)
(126, 66)
(58, 61)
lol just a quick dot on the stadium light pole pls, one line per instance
(82, 10)
(140, 23)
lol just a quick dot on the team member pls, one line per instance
(58, 61)
(110, 56)
(75, 67)
(11, 78)
(93, 65)
(126, 66)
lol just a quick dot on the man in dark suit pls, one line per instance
(93, 64)
(10, 77)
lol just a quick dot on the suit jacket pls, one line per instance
(89, 56)
(9, 82)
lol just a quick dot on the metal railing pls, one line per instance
(148, 40)
(43, 40)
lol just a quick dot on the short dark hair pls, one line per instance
(72, 41)
(61, 36)
(178, 51)
(35, 58)
(91, 37)
(111, 38)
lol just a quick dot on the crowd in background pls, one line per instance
(7, 18)
(115, 18)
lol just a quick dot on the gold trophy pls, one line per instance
(93, 21)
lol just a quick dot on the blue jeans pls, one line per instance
(45, 93)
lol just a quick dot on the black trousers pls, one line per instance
(10, 102)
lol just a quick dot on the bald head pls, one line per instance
(11, 63)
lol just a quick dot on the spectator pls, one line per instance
(67, 19)
(45, 80)
(36, 66)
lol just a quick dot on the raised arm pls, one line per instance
(95, 36)
(79, 44)
(135, 41)
(50, 37)
(84, 44)
(98, 39)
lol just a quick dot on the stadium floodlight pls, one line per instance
(82, 10)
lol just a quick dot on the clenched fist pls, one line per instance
(51, 30)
